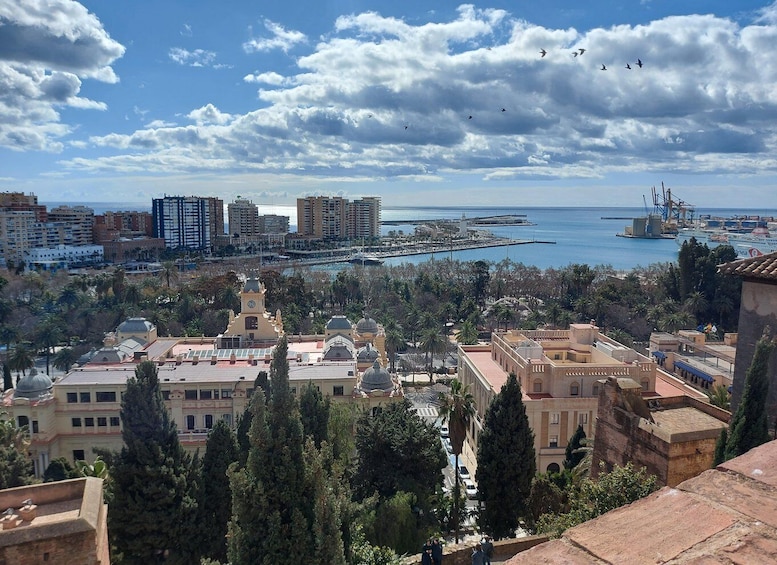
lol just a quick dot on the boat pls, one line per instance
(753, 244)
(362, 258)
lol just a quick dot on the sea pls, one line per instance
(586, 235)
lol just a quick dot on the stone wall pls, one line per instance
(461, 554)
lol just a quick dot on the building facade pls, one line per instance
(243, 217)
(187, 222)
(334, 217)
(559, 372)
(79, 218)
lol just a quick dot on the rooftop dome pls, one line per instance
(135, 325)
(367, 325)
(376, 378)
(338, 323)
(33, 385)
(367, 353)
(252, 285)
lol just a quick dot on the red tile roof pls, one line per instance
(724, 515)
(763, 267)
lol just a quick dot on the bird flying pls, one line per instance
(543, 52)
(603, 68)
(581, 50)
(639, 63)
(628, 66)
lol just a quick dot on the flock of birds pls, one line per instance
(579, 52)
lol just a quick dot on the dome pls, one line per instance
(252, 285)
(376, 378)
(367, 353)
(135, 325)
(338, 323)
(367, 326)
(33, 385)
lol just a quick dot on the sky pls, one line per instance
(421, 103)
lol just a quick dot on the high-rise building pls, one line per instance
(272, 224)
(242, 216)
(334, 217)
(113, 225)
(23, 202)
(80, 219)
(187, 221)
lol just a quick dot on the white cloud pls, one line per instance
(46, 48)
(196, 58)
(280, 38)
(382, 98)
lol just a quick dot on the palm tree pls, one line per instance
(64, 359)
(433, 342)
(48, 336)
(457, 408)
(169, 272)
(720, 397)
(395, 341)
(21, 359)
(468, 333)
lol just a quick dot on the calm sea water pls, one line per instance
(581, 235)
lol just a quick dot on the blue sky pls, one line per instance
(421, 103)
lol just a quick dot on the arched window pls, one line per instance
(537, 385)
(553, 468)
(574, 389)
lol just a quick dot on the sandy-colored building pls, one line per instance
(253, 325)
(673, 438)
(689, 355)
(559, 372)
(59, 522)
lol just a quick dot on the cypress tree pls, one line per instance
(506, 463)
(7, 377)
(571, 458)
(273, 501)
(152, 515)
(314, 413)
(749, 426)
(720, 448)
(215, 501)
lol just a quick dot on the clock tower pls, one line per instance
(252, 297)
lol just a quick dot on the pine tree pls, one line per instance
(152, 514)
(572, 458)
(215, 501)
(720, 448)
(749, 426)
(506, 462)
(273, 499)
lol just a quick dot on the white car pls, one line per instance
(471, 489)
(446, 441)
(463, 472)
(444, 431)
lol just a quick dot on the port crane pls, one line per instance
(675, 213)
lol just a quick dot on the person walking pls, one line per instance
(437, 551)
(488, 549)
(477, 556)
(426, 556)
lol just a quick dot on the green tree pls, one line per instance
(151, 480)
(720, 397)
(432, 342)
(60, 469)
(7, 377)
(64, 359)
(749, 426)
(720, 448)
(314, 413)
(467, 334)
(612, 490)
(21, 359)
(573, 454)
(506, 463)
(16, 468)
(545, 497)
(215, 501)
(457, 408)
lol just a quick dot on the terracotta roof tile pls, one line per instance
(763, 267)
(725, 515)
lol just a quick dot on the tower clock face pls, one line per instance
(251, 303)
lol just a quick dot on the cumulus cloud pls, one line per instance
(46, 48)
(384, 98)
(279, 38)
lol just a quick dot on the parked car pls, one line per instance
(471, 489)
(446, 441)
(464, 472)
(444, 432)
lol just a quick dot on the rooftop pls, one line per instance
(724, 515)
(763, 267)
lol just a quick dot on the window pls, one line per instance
(206, 394)
(72, 397)
(645, 384)
(584, 418)
(553, 441)
(89, 422)
(226, 393)
(554, 418)
(216, 394)
(554, 468)
(538, 385)
(595, 389)
(105, 396)
(165, 395)
(337, 391)
(115, 421)
(574, 389)
(190, 394)
(22, 421)
(76, 422)
(85, 396)
(294, 390)
(208, 421)
(227, 419)
(78, 455)
(35, 426)
(102, 421)
(252, 323)
(190, 422)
